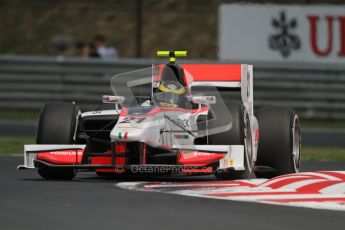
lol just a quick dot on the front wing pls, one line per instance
(194, 158)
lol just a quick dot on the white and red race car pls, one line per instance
(169, 119)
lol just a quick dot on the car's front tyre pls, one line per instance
(57, 124)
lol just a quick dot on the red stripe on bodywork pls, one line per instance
(156, 110)
(257, 136)
(214, 72)
(195, 158)
(104, 160)
(62, 156)
(202, 170)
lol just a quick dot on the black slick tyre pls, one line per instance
(57, 124)
(279, 142)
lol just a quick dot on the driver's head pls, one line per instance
(169, 94)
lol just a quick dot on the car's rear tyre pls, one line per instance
(280, 141)
(57, 124)
(239, 134)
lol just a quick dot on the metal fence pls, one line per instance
(26, 82)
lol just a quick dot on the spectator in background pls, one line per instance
(86, 50)
(104, 51)
(91, 51)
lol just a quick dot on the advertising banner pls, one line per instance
(289, 33)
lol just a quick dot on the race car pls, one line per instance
(171, 119)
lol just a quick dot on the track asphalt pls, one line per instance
(89, 202)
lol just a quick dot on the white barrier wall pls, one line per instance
(294, 33)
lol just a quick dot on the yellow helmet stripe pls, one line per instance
(164, 104)
(165, 89)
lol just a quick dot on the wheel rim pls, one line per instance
(248, 145)
(296, 143)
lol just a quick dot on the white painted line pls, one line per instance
(336, 188)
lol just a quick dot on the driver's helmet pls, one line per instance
(169, 94)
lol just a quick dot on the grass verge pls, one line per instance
(19, 115)
(323, 153)
(323, 124)
(14, 145)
